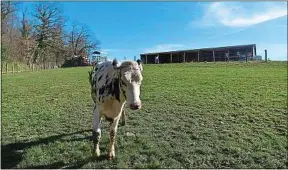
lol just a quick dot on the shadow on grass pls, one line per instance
(76, 165)
(12, 153)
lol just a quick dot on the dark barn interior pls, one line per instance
(228, 53)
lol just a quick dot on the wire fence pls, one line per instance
(16, 67)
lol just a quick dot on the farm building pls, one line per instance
(97, 57)
(228, 53)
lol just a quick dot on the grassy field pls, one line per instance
(196, 115)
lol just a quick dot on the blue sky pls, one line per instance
(127, 29)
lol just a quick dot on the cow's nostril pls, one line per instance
(132, 105)
(135, 106)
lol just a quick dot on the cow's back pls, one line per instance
(101, 79)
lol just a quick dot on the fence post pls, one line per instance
(32, 67)
(12, 67)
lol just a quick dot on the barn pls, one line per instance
(227, 53)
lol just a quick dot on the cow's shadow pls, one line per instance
(11, 154)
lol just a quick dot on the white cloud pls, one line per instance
(164, 47)
(236, 14)
(227, 33)
(108, 50)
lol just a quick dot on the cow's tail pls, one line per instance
(90, 76)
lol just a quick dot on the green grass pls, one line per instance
(196, 115)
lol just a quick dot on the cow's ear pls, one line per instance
(140, 64)
(115, 63)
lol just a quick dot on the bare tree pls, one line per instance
(27, 42)
(9, 33)
(41, 39)
(80, 41)
(7, 9)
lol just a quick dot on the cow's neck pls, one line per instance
(117, 88)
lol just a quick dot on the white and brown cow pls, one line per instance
(113, 86)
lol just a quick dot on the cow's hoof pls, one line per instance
(110, 157)
(96, 153)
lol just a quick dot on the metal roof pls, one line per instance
(96, 52)
(195, 50)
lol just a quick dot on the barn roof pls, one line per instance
(202, 49)
(96, 52)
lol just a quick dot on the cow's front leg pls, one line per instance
(113, 132)
(96, 132)
(123, 117)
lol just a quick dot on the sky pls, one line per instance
(127, 29)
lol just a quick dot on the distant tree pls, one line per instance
(27, 42)
(41, 39)
(7, 9)
(9, 33)
(4, 53)
(80, 41)
(48, 32)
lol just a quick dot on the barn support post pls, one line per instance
(246, 55)
(213, 56)
(170, 57)
(184, 57)
(255, 50)
(228, 55)
(145, 59)
(198, 56)
(265, 55)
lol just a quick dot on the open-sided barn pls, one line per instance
(228, 53)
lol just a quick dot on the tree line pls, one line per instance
(38, 35)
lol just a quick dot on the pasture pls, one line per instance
(194, 115)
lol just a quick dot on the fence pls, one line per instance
(20, 67)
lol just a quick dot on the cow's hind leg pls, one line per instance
(96, 132)
(113, 132)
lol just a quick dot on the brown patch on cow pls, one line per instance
(109, 119)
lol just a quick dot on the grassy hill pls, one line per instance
(196, 115)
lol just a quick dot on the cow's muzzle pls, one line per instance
(135, 106)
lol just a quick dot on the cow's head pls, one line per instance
(130, 81)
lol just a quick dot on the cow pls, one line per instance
(113, 86)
